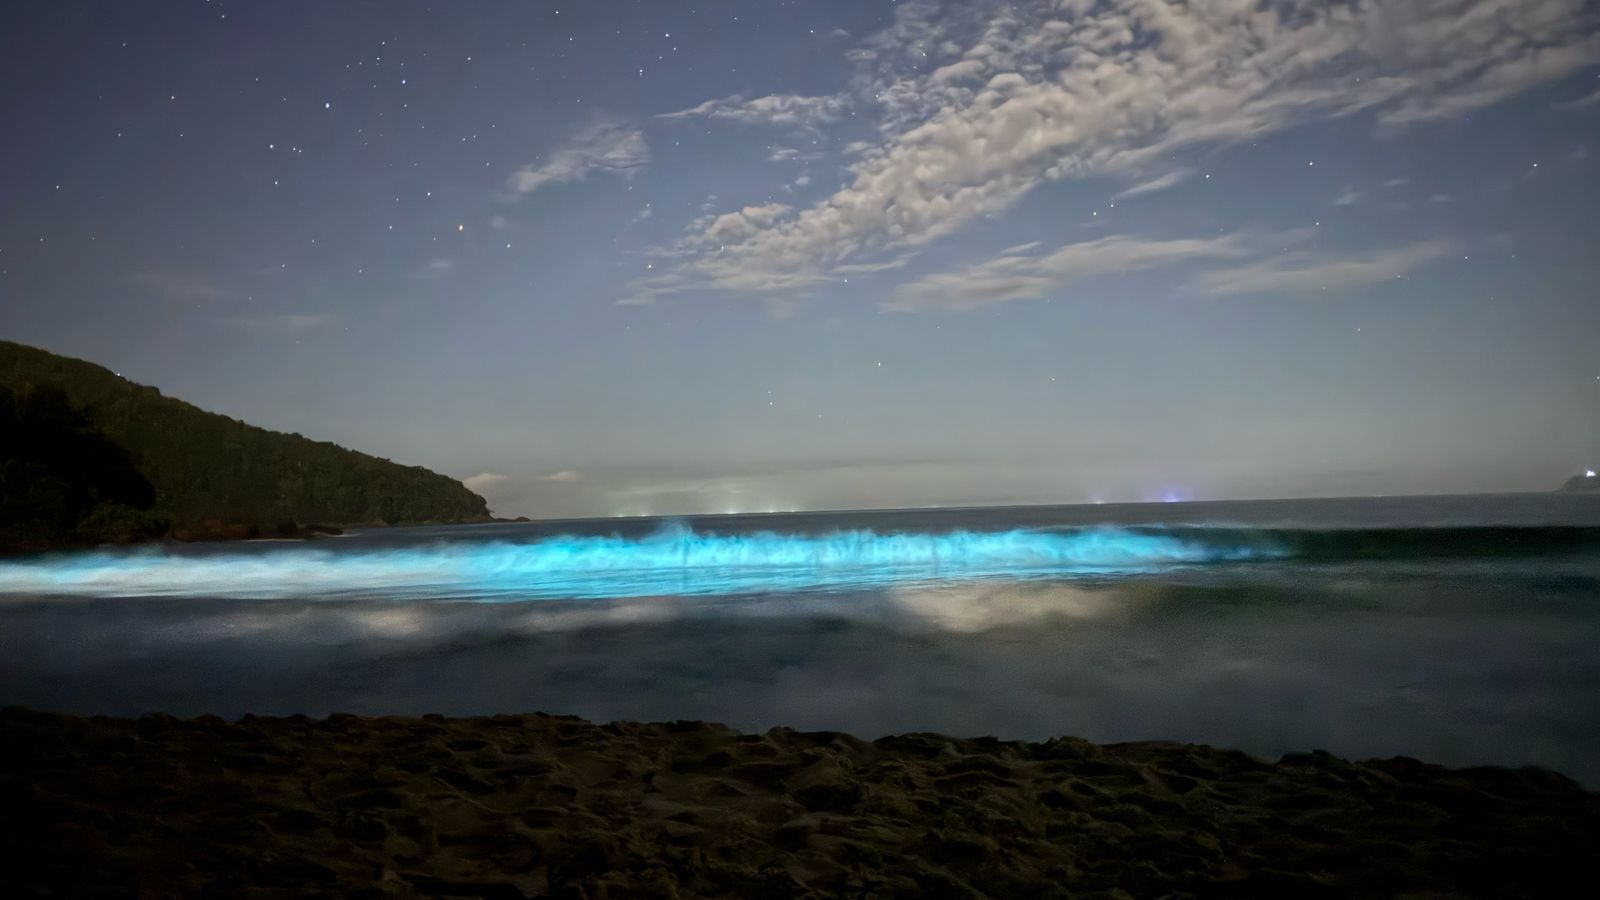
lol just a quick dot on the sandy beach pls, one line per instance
(535, 805)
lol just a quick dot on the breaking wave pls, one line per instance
(678, 561)
(674, 560)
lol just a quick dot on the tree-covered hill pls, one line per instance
(61, 480)
(204, 467)
(1586, 482)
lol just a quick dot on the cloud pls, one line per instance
(1017, 277)
(964, 70)
(437, 268)
(286, 323)
(793, 110)
(1539, 57)
(1347, 197)
(484, 481)
(918, 39)
(182, 287)
(1161, 183)
(980, 104)
(736, 226)
(749, 485)
(790, 154)
(1581, 102)
(1300, 272)
(565, 475)
(694, 487)
(606, 147)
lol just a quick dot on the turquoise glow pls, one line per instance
(674, 560)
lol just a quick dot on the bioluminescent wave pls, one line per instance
(674, 560)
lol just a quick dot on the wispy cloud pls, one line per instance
(1514, 60)
(794, 110)
(565, 475)
(1581, 102)
(182, 287)
(288, 323)
(1301, 272)
(979, 104)
(606, 147)
(1019, 277)
(790, 154)
(484, 481)
(1160, 183)
(437, 268)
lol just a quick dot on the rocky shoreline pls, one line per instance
(534, 806)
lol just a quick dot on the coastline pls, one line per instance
(536, 805)
(222, 531)
(218, 531)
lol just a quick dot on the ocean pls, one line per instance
(1463, 630)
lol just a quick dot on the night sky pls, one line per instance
(621, 258)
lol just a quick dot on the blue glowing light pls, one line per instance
(675, 560)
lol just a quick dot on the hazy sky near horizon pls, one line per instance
(610, 258)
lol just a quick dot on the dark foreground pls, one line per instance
(532, 805)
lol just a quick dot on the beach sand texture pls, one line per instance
(534, 805)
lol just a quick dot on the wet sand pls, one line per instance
(533, 805)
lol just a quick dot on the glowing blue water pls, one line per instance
(674, 560)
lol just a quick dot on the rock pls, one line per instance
(825, 785)
(1586, 482)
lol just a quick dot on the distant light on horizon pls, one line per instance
(1588, 473)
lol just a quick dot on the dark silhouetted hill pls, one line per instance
(79, 443)
(62, 480)
(1585, 482)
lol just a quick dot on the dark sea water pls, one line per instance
(1462, 630)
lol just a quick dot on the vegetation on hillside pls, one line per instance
(79, 437)
(60, 478)
(1585, 482)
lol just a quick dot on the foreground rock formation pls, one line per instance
(532, 805)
